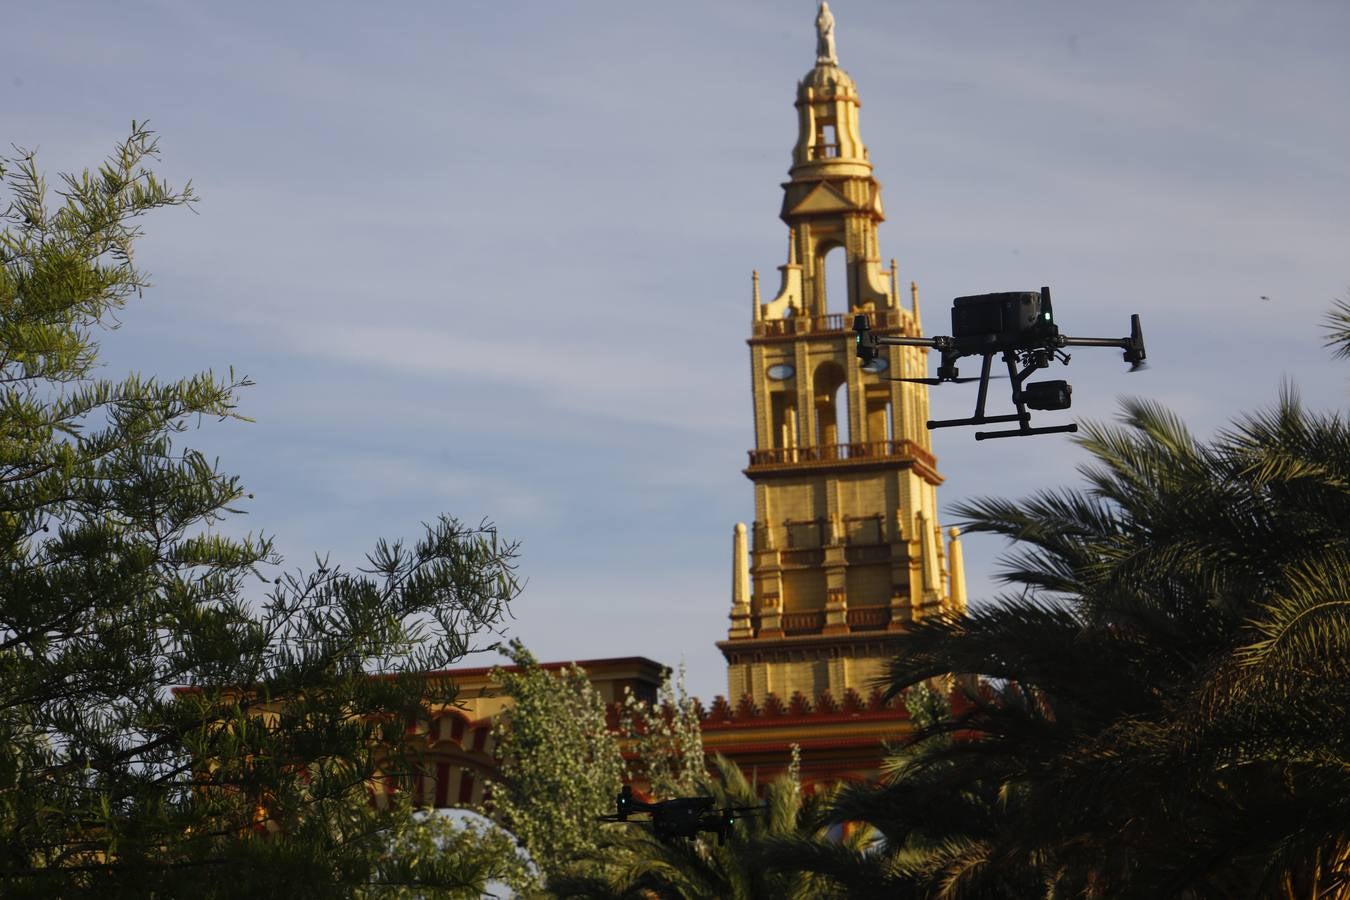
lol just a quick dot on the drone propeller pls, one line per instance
(1134, 349)
(937, 381)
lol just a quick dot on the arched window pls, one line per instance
(830, 391)
(783, 415)
(834, 267)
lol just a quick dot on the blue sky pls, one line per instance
(493, 258)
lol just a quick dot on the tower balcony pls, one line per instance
(863, 618)
(833, 457)
(828, 324)
(803, 540)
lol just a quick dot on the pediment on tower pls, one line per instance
(822, 199)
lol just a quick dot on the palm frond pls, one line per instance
(1337, 324)
(1309, 622)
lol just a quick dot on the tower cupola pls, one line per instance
(828, 142)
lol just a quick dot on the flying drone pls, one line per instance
(1019, 325)
(679, 817)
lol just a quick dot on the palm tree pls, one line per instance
(918, 833)
(1161, 706)
(1173, 673)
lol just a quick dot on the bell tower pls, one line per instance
(845, 550)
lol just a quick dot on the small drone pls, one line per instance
(1021, 326)
(680, 817)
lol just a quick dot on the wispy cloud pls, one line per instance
(494, 258)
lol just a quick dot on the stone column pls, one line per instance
(740, 585)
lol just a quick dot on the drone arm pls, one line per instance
(1122, 343)
(938, 343)
(1135, 354)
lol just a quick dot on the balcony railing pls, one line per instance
(800, 540)
(857, 452)
(863, 529)
(830, 323)
(868, 618)
(802, 558)
(804, 533)
(863, 618)
(825, 151)
(803, 622)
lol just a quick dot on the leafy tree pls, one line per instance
(665, 740)
(117, 585)
(559, 766)
(463, 857)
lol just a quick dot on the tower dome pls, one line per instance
(823, 77)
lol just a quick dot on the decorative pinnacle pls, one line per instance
(825, 55)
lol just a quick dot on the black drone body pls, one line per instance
(1021, 327)
(680, 817)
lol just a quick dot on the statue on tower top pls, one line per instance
(825, 37)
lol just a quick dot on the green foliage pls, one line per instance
(665, 739)
(926, 705)
(559, 766)
(117, 585)
(462, 857)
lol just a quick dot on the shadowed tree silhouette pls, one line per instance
(1165, 698)
(1159, 709)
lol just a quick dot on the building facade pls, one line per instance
(456, 745)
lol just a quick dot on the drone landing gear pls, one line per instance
(976, 420)
(1021, 398)
(1023, 431)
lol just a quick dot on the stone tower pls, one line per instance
(845, 550)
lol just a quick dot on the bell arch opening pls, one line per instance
(783, 419)
(829, 387)
(832, 264)
(879, 416)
